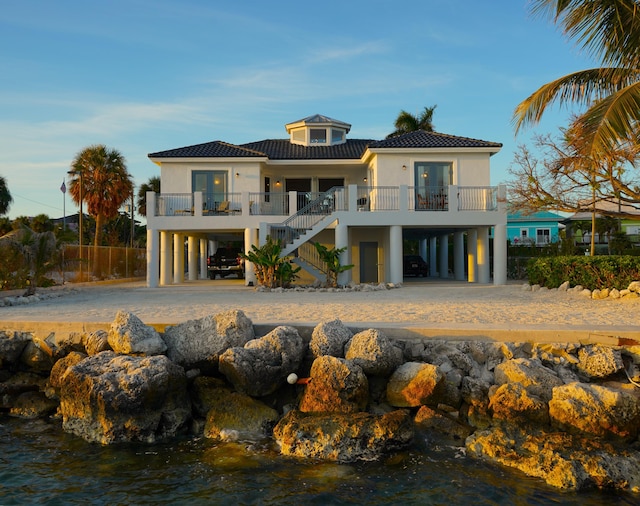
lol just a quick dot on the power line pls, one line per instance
(35, 201)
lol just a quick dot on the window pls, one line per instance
(524, 233)
(337, 136)
(318, 135)
(213, 185)
(543, 236)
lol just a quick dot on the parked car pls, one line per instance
(414, 265)
(224, 262)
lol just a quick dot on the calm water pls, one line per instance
(39, 464)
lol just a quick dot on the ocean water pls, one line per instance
(40, 464)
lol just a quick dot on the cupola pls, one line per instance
(318, 130)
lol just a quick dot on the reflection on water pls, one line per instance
(39, 464)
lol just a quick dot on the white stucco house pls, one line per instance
(317, 184)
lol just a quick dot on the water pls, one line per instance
(40, 464)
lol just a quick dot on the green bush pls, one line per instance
(591, 272)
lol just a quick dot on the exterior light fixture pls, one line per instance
(364, 179)
(237, 174)
(278, 182)
(404, 167)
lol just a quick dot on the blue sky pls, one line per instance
(147, 75)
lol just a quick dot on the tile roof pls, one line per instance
(283, 149)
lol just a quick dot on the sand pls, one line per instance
(419, 304)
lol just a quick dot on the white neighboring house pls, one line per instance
(319, 185)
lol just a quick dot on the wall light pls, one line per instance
(364, 179)
(278, 182)
(237, 174)
(404, 167)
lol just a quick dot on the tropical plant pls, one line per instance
(153, 185)
(100, 175)
(5, 196)
(271, 269)
(41, 223)
(5, 226)
(33, 254)
(610, 31)
(331, 259)
(407, 122)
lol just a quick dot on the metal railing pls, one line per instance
(174, 204)
(429, 198)
(269, 204)
(477, 198)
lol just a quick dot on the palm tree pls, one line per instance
(610, 31)
(5, 197)
(100, 175)
(407, 122)
(153, 185)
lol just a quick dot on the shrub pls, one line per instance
(595, 272)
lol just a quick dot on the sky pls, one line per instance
(142, 76)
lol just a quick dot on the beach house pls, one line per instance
(534, 229)
(319, 185)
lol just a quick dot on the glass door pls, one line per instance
(431, 182)
(213, 185)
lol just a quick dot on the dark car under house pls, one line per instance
(225, 262)
(414, 265)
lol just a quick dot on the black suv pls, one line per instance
(414, 265)
(225, 261)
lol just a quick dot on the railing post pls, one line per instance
(197, 203)
(293, 202)
(151, 204)
(403, 199)
(353, 198)
(245, 204)
(452, 198)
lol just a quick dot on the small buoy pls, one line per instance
(292, 378)
(303, 381)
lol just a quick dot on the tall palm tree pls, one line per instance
(610, 31)
(153, 185)
(407, 122)
(100, 175)
(5, 197)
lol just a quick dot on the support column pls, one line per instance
(472, 255)
(433, 259)
(422, 249)
(500, 255)
(444, 256)
(166, 258)
(250, 239)
(192, 265)
(153, 258)
(203, 259)
(395, 254)
(342, 241)
(178, 258)
(458, 255)
(484, 269)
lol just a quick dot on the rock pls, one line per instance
(37, 358)
(59, 369)
(374, 352)
(634, 286)
(536, 378)
(109, 398)
(31, 405)
(343, 437)
(336, 386)
(415, 384)
(96, 342)
(12, 344)
(512, 403)
(430, 419)
(597, 361)
(564, 286)
(17, 384)
(560, 459)
(262, 366)
(329, 338)
(129, 336)
(199, 343)
(235, 416)
(596, 409)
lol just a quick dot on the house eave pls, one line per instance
(210, 159)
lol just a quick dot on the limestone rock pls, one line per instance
(560, 459)
(343, 437)
(199, 343)
(129, 336)
(374, 352)
(432, 419)
(536, 378)
(329, 338)
(596, 409)
(414, 384)
(262, 365)
(237, 416)
(599, 361)
(96, 342)
(37, 358)
(109, 398)
(511, 402)
(17, 384)
(336, 385)
(634, 286)
(30, 405)
(12, 344)
(59, 369)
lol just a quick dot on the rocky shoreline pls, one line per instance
(568, 414)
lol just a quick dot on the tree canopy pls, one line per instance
(407, 122)
(5, 196)
(153, 185)
(609, 30)
(100, 175)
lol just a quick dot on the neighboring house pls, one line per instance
(579, 224)
(319, 185)
(539, 228)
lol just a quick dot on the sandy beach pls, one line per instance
(435, 305)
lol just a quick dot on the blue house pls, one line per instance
(539, 228)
